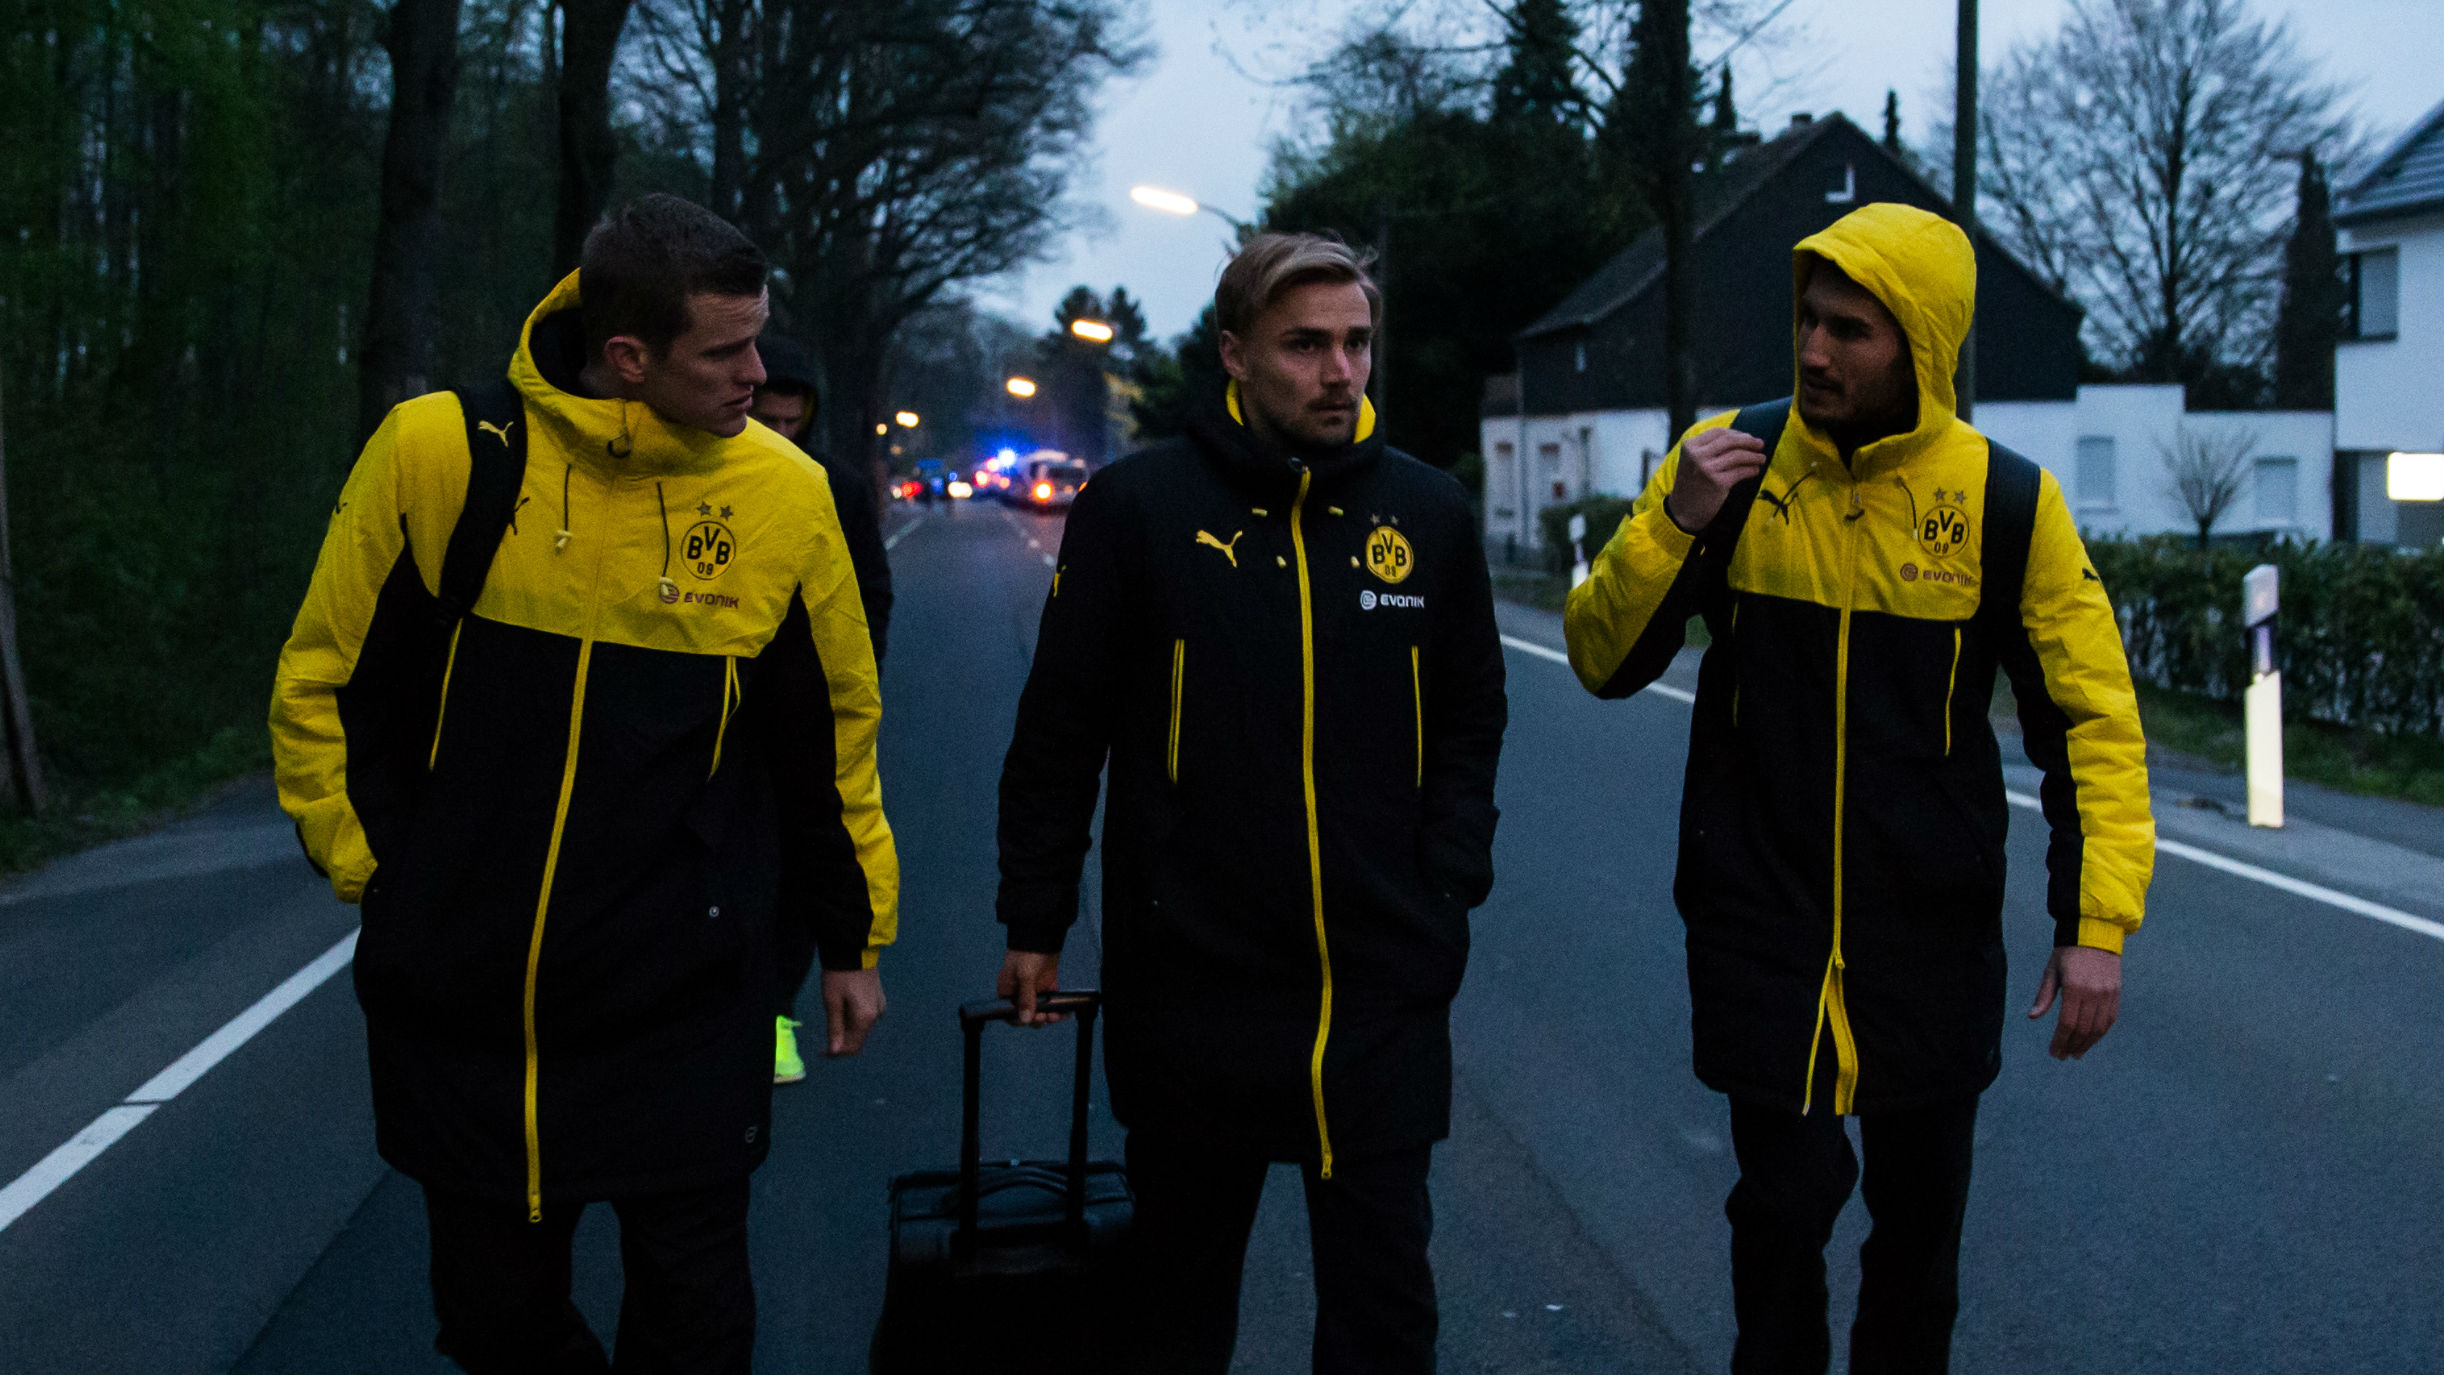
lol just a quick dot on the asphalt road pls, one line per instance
(2245, 1176)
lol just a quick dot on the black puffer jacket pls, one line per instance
(1293, 669)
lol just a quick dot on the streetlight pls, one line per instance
(1019, 387)
(1094, 331)
(1173, 203)
(2414, 477)
(907, 419)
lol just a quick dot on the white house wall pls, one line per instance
(2389, 393)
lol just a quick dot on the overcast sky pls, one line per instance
(1205, 115)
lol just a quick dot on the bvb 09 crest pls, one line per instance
(1388, 555)
(1943, 530)
(708, 548)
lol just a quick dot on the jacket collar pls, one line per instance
(1221, 434)
(613, 438)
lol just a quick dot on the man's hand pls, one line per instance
(2090, 982)
(1024, 974)
(1712, 462)
(852, 1004)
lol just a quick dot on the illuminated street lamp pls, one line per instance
(1019, 387)
(1173, 203)
(2414, 477)
(1094, 331)
(907, 420)
(880, 428)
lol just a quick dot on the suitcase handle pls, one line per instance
(1081, 1003)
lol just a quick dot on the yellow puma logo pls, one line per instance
(489, 428)
(1227, 551)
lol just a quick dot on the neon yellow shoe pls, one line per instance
(787, 1068)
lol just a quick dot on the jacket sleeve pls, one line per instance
(839, 866)
(1624, 624)
(1462, 716)
(362, 546)
(2079, 719)
(1055, 765)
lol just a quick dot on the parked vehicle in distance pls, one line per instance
(1050, 483)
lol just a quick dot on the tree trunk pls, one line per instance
(401, 321)
(589, 40)
(1964, 182)
(16, 712)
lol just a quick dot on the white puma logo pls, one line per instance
(489, 428)
(1227, 551)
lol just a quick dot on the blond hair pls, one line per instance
(1269, 265)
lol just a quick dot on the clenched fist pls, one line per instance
(1712, 462)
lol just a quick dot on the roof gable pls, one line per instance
(2406, 180)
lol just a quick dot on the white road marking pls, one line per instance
(1545, 652)
(2314, 892)
(902, 533)
(103, 1132)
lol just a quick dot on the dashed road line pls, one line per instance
(99, 1135)
(902, 533)
(2315, 892)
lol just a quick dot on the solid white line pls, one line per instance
(902, 533)
(103, 1132)
(2300, 887)
(54, 1169)
(238, 1030)
(1543, 652)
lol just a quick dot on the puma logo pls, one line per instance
(1228, 551)
(500, 431)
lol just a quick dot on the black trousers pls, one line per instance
(1795, 1174)
(1368, 1226)
(793, 961)
(501, 1285)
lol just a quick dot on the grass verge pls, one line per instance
(2408, 767)
(78, 821)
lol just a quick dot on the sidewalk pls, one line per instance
(2386, 850)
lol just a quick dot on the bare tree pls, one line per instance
(2205, 471)
(402, 323)
(2143, 158)
(589, 42)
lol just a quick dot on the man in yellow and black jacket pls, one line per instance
(1863, 577)
(577, 805)
(1279, 634)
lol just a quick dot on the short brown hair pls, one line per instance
(1269, 265)
(647, 257)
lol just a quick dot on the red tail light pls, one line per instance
(1043, 491)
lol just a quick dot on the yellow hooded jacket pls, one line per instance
(576, 818)
(1841, 849)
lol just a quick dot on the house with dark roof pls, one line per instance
(1585, 412)
(2389, 367)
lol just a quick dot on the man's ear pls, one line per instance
(626, 356)
(1234, 357)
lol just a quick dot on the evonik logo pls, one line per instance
(1369, 599)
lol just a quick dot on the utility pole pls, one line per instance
(16, 711)
(1964, 180)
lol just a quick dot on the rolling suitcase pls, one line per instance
(987, 1255)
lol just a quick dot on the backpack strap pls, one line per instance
(496, 469)
(1766, 420)
(2011, 525)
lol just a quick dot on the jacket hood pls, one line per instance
(1921, 267)
(623, 437)
(1222, 432)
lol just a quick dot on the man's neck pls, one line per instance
(1853, 436)
(596, 381)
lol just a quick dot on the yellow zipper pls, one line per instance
(1950, 686)
(1831, 1006)
(442, 708)
(1417, 694)
(1179, 664)
(729, 700)
(1315, 842)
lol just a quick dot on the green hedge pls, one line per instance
(1604, 515)
(2360, 639)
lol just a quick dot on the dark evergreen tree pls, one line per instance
(1537, 83)
(1723, 133)
(2310, 318)
(1892, 124)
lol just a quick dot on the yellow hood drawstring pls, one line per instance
(670, 590)
(625, 443)
(561, 537)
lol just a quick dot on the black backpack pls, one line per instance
(496, 469)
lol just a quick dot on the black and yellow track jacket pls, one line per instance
(1293, 671)
(652, 740)
(1842, 822)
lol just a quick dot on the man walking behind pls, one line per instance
(787, 403)
(1841, 831)
(577, 804)
(1280, 634)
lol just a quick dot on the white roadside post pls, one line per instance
(2262, 703)
(1578, 548)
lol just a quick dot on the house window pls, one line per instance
(2095, 472)
(1581, 357)
(1548, 470)
(2278, 492)
(2375, 294)
(1503, 481)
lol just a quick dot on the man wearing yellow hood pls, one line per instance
(1865, 563)
(581, 708)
